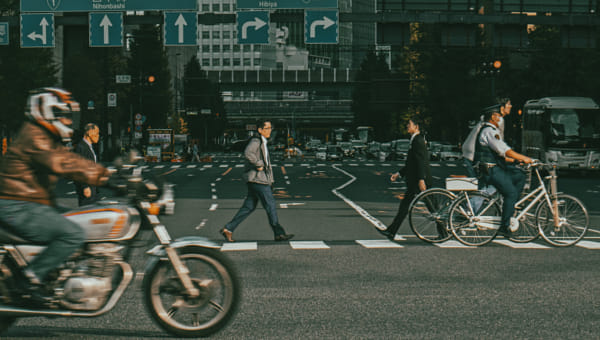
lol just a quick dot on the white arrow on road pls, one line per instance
(180, 22)
(106, 23)
(257, 24)
(33, 35)
(326, 23)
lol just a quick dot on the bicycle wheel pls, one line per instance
(571, 224)
(428, 215)
(474, 218)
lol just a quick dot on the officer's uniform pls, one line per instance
(490, 152)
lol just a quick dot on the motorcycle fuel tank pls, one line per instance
(106, 222)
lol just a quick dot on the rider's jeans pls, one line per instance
(510, 183)
(42, 224)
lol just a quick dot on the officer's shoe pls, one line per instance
(507, 233)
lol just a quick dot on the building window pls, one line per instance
(205, 34)
(226, 34)
(216, 48)
(227, 62)
(247, 48)
(236, 48)
(236, 61)
(247, 62)
(216, 8)
(226, 48)
(205, 8)
(256, 61)
(216, 34)
(206, 48)
(205, 62)
(226, 7)
(216, 62)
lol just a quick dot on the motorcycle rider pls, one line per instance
(28, 174)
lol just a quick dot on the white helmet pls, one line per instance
(45, 106)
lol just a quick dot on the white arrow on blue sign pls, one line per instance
(37, 30)
(106, 29)
(181, 28)
(321, 27)
(253, 27)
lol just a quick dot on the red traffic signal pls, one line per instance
(151, 79)
(497, 64)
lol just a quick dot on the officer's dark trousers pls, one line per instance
(409, 195)
(510, 182)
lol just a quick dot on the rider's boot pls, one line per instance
(32, 290)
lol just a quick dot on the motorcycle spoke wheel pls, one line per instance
(212, 274)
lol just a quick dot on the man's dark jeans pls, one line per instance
(44, 225)
(264, 194)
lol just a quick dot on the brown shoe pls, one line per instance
(227, 235)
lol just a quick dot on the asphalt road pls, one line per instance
(339, 279)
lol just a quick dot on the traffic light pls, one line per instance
(4, 145)
(149, 80)
(490, 68)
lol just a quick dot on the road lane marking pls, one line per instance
(308, 245)
(286, 205)
(528, 245)
(207, 166)
(588, 244)
(239, 165)
(159, 167)
(213, 207)
(378, 244)
(362, 212)
(202, 224)
(214, 197)
(237, 246)
(191, 166)
(452, 244)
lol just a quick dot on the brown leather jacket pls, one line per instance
(35, 160)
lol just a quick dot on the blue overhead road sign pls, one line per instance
(4, 37)
(321, 27)
(181, 28)
(37, 30)
(253, 27)
(277, 4)
(106, 5)
(106, 29)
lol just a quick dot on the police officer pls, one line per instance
(492, 153)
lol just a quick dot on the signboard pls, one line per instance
(106, 5)
(253, 27)
(37, 30)
(321, 27)
(181, 28)
(290, 4)
(106, 29)
(123, 79)
(4, 37)
(111, 99)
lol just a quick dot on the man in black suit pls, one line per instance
(416, 172)
(87, 194)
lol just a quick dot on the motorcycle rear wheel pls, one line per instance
(213, 274)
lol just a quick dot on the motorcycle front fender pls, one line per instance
(159, 253)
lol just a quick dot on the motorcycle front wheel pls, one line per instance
(213, 274)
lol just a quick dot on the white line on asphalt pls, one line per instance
(378, 244)
(452, 244)
(434, 164)
(159, 167)
(588, 244)
(214, 197)
(212, 184)
(239, 165)
(529, 245)
(286, 205)
(191, 166)
(308, 245)
(213, 190)
(213, 207)
(304, 164)
(353, 164)
(320, 164)
(362, 212)
(202, 224)
(370, 164)
(288, 164)
(287, 182)
(175, 166)
(218, 179)
(207, 166)
(223, 166)
(236, 246)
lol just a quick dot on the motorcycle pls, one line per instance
(190, 288)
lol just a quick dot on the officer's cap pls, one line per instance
(492, 109)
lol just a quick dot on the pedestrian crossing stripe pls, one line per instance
(452, 244)
(528, 245)
(588, 245)
(308, 245)
(378, 244)
(239, 246)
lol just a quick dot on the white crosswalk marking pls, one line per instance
(308, 245)
(529, 245)
(378, 244)
(451, 244)
(238, 246)
(588, 244)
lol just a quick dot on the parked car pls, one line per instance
(321, 153)
(358, 146)
(400, 149)
(333, 153)
(312, 145)
(293, 151)
(385, 151)
(373, 150)
(434, 150)
(347, 149)
(450, 152)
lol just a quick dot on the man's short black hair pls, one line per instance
(89, 126)
(489, 111)
(502, 100)
(418, 121)
(260, 124)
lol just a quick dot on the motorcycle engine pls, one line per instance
(89, 285)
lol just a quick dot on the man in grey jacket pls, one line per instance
(258, 175)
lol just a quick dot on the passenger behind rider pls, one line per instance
(28, 174)
(492, 155)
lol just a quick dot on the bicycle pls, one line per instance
(560, 219)
(428, 212)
